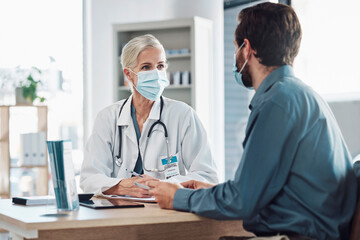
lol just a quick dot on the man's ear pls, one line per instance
(248, 49)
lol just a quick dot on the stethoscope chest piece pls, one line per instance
(118, 161)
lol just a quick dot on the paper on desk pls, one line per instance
(135, 199)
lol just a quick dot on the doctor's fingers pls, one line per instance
(153, 183)
(142, 194)
(147, 178)
(128, 182)
(138, 192)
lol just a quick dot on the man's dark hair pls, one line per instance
(273, 30)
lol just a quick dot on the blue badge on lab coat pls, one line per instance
(173, 159)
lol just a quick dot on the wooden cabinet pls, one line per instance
(5, 159)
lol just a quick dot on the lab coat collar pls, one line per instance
(155, 110)
(125, 120)
(275, 76)
(125, 116)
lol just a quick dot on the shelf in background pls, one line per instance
(4, 196)
(174, 56)
(23, 105)
(178, 87)
(41, 175)
(32, 166)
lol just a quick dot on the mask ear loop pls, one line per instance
(243, 65)
(132, 71)
(133, 85)
(246, 59)
(239, 48)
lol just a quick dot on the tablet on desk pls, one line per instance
(109, 203)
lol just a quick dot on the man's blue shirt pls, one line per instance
(295, 174)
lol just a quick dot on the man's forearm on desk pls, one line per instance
(181, 199)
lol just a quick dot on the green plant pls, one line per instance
(29, 86)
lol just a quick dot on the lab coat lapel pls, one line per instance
(125, 120)
(155, 110)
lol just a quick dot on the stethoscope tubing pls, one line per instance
(118, 159)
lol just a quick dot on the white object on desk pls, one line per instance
(35, 200)
(124, 197)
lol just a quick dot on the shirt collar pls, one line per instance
(125, 117)
(272, 78)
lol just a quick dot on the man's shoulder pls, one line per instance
(297, 100)
(292, 93)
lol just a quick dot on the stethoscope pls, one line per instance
(118, 160)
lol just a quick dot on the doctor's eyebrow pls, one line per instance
(145, 63)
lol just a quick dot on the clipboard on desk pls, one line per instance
(128, 198)
(109, 203)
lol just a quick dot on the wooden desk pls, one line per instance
(150, 222)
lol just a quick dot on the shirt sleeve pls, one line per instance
(196, 152)
(260, 175)
(98, 158)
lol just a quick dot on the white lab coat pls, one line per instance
(187, 140)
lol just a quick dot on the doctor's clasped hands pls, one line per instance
(127, 187)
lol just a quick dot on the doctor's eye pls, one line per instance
(161, 66)
(146, 67)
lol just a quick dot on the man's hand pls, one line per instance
(128, 187)
(164, 192)
(193, 184)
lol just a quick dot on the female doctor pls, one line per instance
(147, 135)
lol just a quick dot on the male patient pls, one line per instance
(295, 176)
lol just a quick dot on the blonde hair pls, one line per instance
(135, 46)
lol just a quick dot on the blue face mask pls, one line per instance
(238, 75)
(151, 84)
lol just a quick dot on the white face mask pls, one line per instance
(151, 84)
(238, 75)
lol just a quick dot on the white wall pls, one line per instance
(347, 114)
(99, 15)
